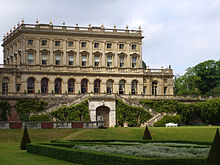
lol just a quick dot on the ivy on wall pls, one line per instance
(42, 117)
(26, 106)
(5, 110)
(79, 112)
(134, 116)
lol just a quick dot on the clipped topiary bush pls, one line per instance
(147, 135)
(168, 119)
(214, 153)
(42, 117)
(25, 139)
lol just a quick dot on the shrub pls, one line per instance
(42, 117)
(134, 116)
(5, 110)
(25, 139)
(168, 119)
(147, 134)
(214, 153)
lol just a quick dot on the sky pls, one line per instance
(180, 33)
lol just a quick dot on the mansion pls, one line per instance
(50, 59)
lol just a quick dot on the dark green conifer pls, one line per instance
(214, 153)
(25, 139)
(147, 135)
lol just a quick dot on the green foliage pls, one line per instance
(134, 116)
(98, 158)
(27, 106)
(200, 79)
(5, 110)
(147, 135)
(161, 106)
(79, 112)
(25, 139)
(144, 65)
(168, 119)
(42, 117)
(214, 153)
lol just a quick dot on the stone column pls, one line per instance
(149, 87)
(90, 87)
(51, 85)
(92, 114)
(77, 53)
(140, 58)
(78, 86)
(51, 52)
(112, 118)
(90, 61)
(23, 53)
(37, 51)
(128, 60)
(115, 59)
(37, 85)
(103, 56)
(64, 52)
(14, 83)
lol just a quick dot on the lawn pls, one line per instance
(10, 154)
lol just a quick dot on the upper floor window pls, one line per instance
(70, 43)
(134, 62)
(121, 61)
(57, 59)
(44, 42)
(133, 46)
(109, 45)
(44, 59)
(96, 59)
(96, 45)
(109, 61)
(71, 59)
(121, 46)
(30, 42)
(30, 58)
(84, 59)
(83, 44)
(57, 43)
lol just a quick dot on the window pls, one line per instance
(18, 87)
(134, 87)
(121, 46)
(134, 61)
(71, 86)
(70, 43)
(83, 44)
(133, 47)
(57, 43)
(44, 59)
(109, 61)
(58, 86)
(30, 42)
(109, 86)
(84, 58)
(30, 58)
(97, 86)
(44, 85)
(71, 59)
(165, 90)
(96, 45)
(121, 61)
(96, 60)
(44, 42)
(144, 89)
(30, 85)
(57, 59)
(84, 85)
(154, 88)
(122, 87)
(109, 45)
(5, 86)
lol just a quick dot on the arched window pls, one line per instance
(109, 86)
(97, 86)
(5, 86)
(154, 88)
(58, 86)
(44, 85)
(84, 86)
(122, 87)
(134, 87)
(30, 85)
(71, 83)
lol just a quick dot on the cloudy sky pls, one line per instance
(180, 33)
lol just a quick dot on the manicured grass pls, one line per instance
(10, 154)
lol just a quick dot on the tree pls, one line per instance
(144, 65)
(147, 135)
(214, 153)
(25, 139)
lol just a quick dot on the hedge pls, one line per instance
(168, 119)
(98, 158)
(42, 117)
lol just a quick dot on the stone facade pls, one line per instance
(44, 58)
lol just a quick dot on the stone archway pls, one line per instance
(102, 114)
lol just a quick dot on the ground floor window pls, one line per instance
(122, 87)
(71, 83)
(58, 86)
(109, 86)
(44, 86)
(84, 86)
(30, 85)
(5, 86)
